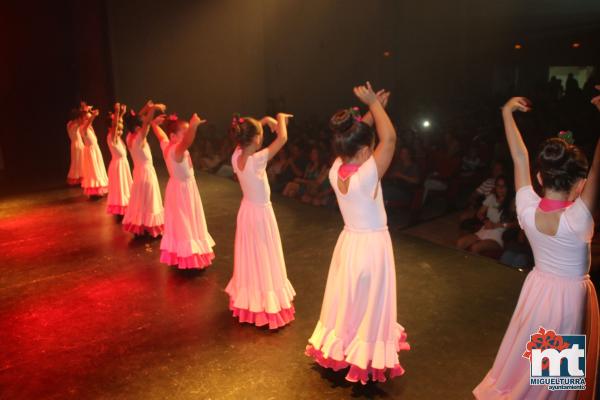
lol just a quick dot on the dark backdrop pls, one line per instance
(53, 54)
(254, 56)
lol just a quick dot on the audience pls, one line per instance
(402, 178)
(454, 166)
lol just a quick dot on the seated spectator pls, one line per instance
(292, 168)
(309, 180)
(209, 158)
(471, 163)
(402, 179)
(321, 194)
(277, 165)
(447, 164)
(497, 215)
(224, 167)
(468, 217)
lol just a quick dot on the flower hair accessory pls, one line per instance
(172, 117)
(567, 136)
(237, 120)
(355, 113)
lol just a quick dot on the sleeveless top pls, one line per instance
(140, 152)
(116, 150)
(182, 171)
(362, 206)
(253, 178)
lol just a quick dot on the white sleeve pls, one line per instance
(525, 199)
(490, 200)
(580, 220)
(260, 159)
(368, 176)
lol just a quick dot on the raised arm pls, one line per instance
(188, 137)
(87, 123)
(147, 115)
(589, 195)
(518, 150)
(158, 131)
(383, 97)
(116, 127)
(282, 135)
(384, 152)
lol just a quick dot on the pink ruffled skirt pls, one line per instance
(186, 242)
(259, 291)
(145, 213)
(357, 328)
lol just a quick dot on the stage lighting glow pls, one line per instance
(518, 46)
(576, 45)
(426, 123)
(387, 53)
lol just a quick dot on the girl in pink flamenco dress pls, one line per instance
(259, 290)
(145, 213)
(357, 328)
(557, 295)
(94, 178)
(119, 173)
(186, 242)
(76, 166)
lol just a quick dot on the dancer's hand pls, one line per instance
(159, 120)
(383, 96)
(160, 107)
(596, 99)
(270, 121)
(517, 103)
(196, 120)
(283, 118)
(365, 94)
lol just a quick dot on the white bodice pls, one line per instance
(253, 178)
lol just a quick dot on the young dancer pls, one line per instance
(259, 290)
(186, 241)
(357, 327)
(557, 294)
(119, 174)
(145, 213)
(76, 166)
(94, 180)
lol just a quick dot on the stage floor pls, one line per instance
(86, 311)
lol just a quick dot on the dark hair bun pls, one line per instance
(561, 164)
(173, 123)
(131, 122)
(244, 130)
(349, 135)
(553, 153)
(341, 121)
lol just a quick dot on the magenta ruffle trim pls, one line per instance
(73, 181)
(153, 231)
(116, 210)
(95, 191)
(262, 318)
(198, 261)
(355, 373)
